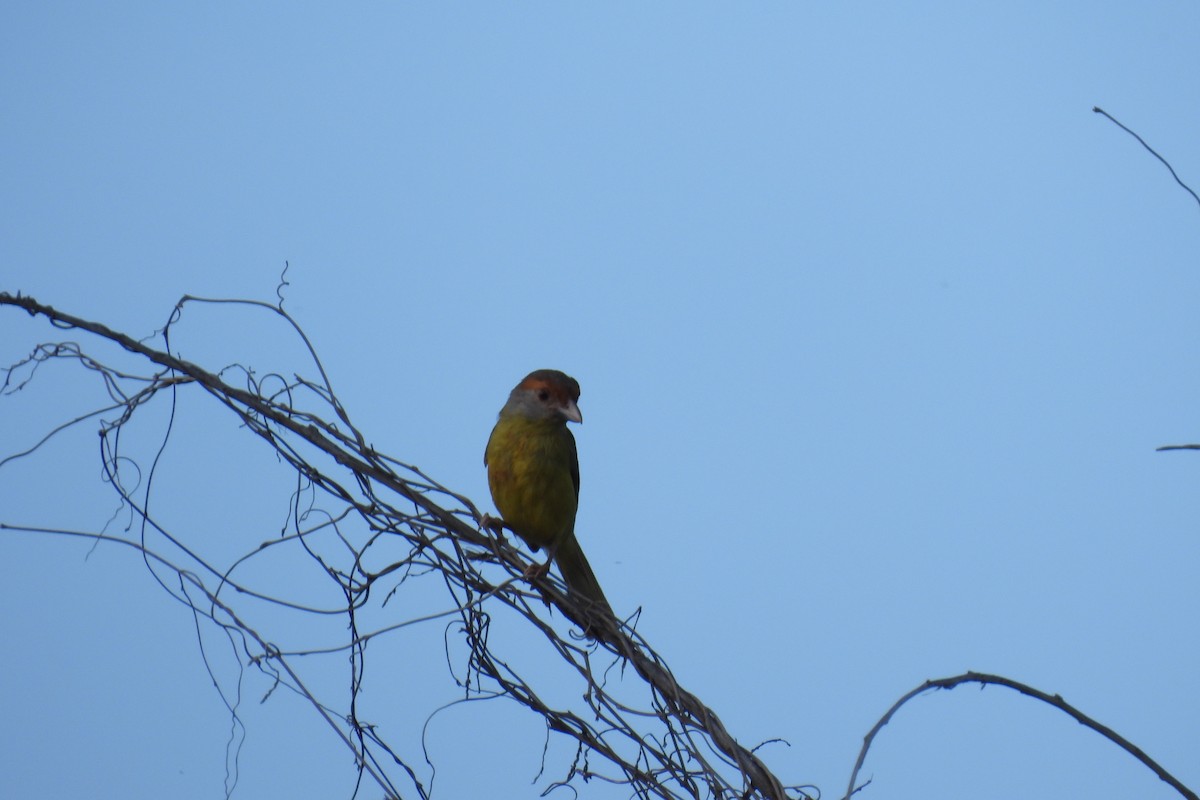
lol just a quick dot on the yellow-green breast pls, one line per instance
(532, 465)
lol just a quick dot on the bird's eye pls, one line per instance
(543, 395)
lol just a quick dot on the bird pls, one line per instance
(533, 474)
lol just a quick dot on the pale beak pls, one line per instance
(571, 412)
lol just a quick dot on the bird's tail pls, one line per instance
(578, 575)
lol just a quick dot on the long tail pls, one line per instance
(577, 573)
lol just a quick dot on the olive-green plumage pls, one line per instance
(533, 473)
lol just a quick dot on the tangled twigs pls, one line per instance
(368, 521)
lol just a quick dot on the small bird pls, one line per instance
(533, 474)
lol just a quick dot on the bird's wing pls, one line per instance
(574, 461)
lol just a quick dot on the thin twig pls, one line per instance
(1099, 110)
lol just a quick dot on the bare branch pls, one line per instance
(1053, 700)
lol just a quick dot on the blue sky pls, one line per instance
(877, 325)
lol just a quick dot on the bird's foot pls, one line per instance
(536, 570)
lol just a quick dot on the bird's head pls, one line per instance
(545, 394)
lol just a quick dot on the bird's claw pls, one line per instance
(536, 570)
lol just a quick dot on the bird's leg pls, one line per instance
(536, 570)
(494, 525)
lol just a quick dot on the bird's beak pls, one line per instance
(571, 412)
